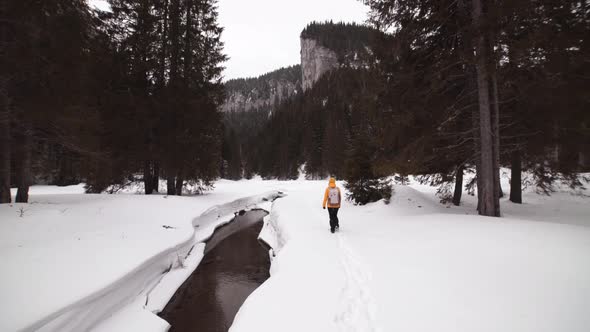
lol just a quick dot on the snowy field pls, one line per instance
(70, 260)
(73, 262)
(417, 265)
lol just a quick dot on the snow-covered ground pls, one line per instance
(417, 265)
(73, 262)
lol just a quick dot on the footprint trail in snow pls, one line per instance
(357, 306)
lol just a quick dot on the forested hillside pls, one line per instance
(247, 107)
(245, 138)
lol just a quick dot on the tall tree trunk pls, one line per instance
(188, 56)
(63, 175)
(476, 142)
(148, 181)
(516, 178)
(5, 115)
(5, 153)
(472, 90)
(163, 53)
(174, 42)
(496, 131)
(179, 183)
(171, 92)
(23, 170)
(156, 177)
(488, 202)
(458, 185)
(170, 184)
(141, 50)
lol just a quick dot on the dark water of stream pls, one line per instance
(235, 264)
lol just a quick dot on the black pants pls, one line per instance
(333, 217)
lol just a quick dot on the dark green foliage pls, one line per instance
(430, 86)
(365, 190)
(279, 148)
(241, 140)
(314, 129)
(243, 125)
(232, 156)
(104, 96)
(46, 50)
(362, 181)
(161, 110)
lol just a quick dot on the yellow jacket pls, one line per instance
(332, 188)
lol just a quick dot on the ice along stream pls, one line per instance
(234, 265)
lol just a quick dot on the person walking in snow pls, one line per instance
(333, 198)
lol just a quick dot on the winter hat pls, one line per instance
(332, 182)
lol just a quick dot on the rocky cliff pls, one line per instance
(315, 61)
(328, 46)
(264, 92)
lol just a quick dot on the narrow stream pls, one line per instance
(235, 264)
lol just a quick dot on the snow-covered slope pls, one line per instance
(417, 265)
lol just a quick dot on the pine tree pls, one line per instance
(362, 182)
(439, 34)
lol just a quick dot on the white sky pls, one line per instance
(263, 35)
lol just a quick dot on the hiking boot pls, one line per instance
(332, 229)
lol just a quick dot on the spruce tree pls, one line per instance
(364, 185)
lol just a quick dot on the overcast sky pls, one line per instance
(263, 35)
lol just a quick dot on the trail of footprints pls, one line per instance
(356, 312)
